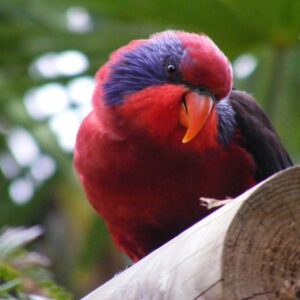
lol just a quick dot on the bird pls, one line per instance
(167, 128)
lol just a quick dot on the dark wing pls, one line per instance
(260, 137)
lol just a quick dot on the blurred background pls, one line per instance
(49, 52)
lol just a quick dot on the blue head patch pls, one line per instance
(143, 67)
(227, 123)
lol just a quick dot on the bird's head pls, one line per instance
(166, 86)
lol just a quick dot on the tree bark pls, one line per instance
(248, 249)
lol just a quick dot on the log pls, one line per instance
(248, 249)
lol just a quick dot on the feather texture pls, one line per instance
(261, 138)
(129, 154)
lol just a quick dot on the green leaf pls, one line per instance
(10, 285)
(7, 272)
(55, 291)
(12, 239)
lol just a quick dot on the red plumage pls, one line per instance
(129, 155)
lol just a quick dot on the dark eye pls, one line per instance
(171, 70)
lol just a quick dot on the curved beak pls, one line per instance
(195, 110)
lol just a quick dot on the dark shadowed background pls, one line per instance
(49, 52)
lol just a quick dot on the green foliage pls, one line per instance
(24, 274)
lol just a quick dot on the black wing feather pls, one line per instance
(260, 137)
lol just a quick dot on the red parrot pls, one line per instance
(166, 129)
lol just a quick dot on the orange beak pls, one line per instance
(194, 113)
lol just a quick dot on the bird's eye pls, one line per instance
(171, 70)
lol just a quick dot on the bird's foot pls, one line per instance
(210, 203)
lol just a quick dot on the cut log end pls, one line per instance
(261, 258)
(290, 291)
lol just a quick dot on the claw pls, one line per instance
(210, 203)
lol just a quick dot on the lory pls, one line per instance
(166, 129)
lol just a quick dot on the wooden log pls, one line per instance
(248, 249)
